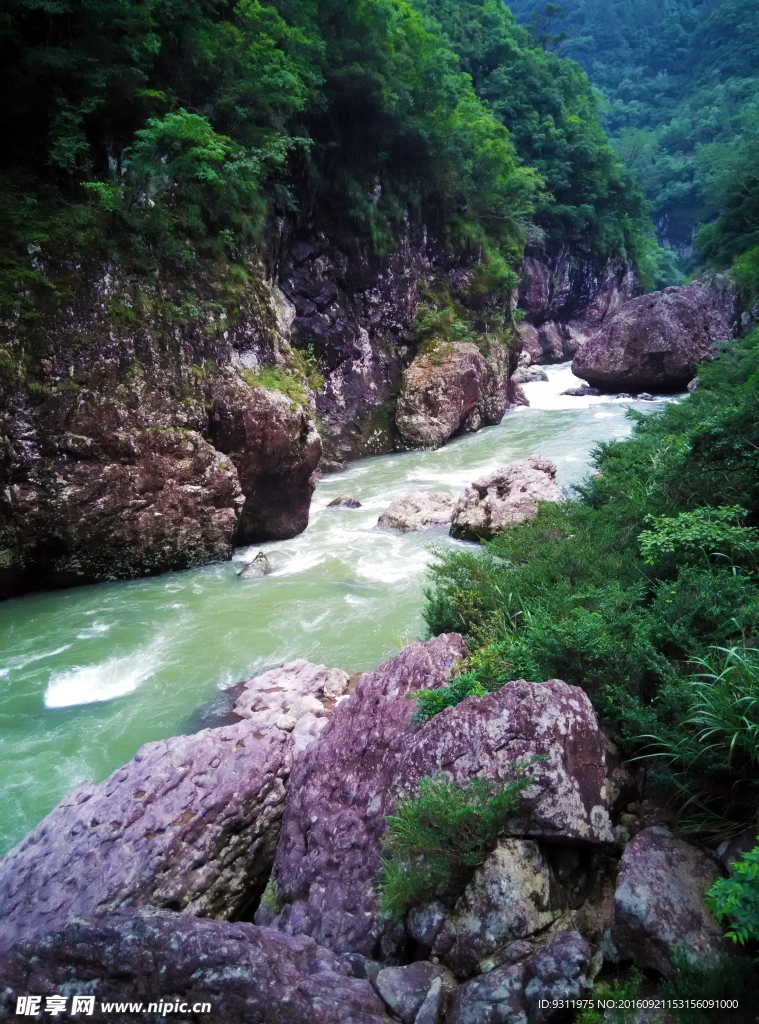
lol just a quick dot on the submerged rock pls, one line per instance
(655, 342)
(344, 501)
(508, 495)
(329, 856)
(582, 392)
(417, 511)
(245, 973)
(659, 903)
(260, 566)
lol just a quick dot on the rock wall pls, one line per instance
(564, 297)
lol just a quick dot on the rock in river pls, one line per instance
(655, 342)
(508, 495)
(191, 823)
(417, 511)
(260, 566)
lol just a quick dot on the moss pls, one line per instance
(274, 378)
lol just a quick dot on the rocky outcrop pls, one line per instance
(565, 296)
(244, 973)
(506, 496)
(530, 991)
(139, 453)
(275, 447)
(655, 342)
(659, 903)
(191, 823)
(329, 855)
(452, 390)
(417, 511)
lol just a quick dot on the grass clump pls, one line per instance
(432, 702)
(439, 836)
(274, 378)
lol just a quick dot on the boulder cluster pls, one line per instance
(239, 866)
(505, 497)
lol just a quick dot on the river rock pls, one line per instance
(659, 902)
(583, 392)
(190, 823)
(276, 449)
(514, 994)
(417, 511)
(297, 688)
(453, 390)
(529, 375)
(346, 783)
(406, 989)
(656, 342)
(507, 496)
(344, 501)
(246, 973)
(509, 898)
(260, 566)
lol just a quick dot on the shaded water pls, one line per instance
(88, 675)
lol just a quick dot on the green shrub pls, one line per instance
(431, 702)
(729, 978)
(704, 531)
(439, 836)
(737, 899)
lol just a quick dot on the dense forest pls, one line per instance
(680, 83)
(174, 135)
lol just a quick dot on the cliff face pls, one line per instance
(564, 297)
(145, 442)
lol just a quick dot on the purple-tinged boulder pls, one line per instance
(659, 903)
(329, 856)
(515, 994)
(656, 342)
(507, 496)
(407, 989)
(245, 973)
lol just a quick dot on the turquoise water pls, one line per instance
(89, 675)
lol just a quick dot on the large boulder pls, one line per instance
(655, 342)
(453, 390)
(509, 898)
(506, 496)
(417, 511)
(533, 991)
(407, 989)
(329, 856)
(659, 903)
(191, 823)
(276, 449)
(245, 974)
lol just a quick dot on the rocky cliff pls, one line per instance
(143, 430)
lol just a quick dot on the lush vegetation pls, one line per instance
(168, 137)
(644, 591)
(681, 83)
(438, 836)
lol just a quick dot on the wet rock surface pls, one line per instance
(260, 566)
(655, 342)
(245, 973)
(344, 501)
(507, 496)
(659, 902)
(417, 511)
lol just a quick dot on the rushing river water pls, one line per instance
(88, 675)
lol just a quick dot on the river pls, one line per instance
(90, 674)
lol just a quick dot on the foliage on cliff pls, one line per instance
(552, 113)
(681, 80)
(631, 590)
